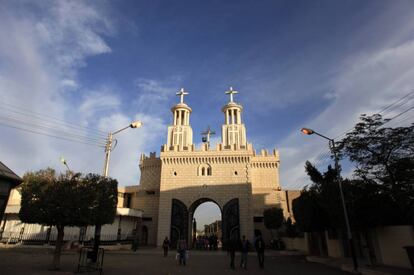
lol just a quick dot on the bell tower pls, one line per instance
(233, 133)
(180, 134)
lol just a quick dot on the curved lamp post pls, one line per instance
(332, 147)
(108, 146)
(108, 149)
(64, 162)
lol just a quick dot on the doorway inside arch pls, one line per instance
(206, 225)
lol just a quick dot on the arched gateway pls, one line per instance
(181, 220)
(240, 181)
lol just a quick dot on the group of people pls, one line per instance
(244, 246)
(181, 250)
(206, 242)
(232, 246)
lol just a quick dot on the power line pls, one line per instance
(326, 154)
(49, 129)
(45, 117)
(392, 104)
(49, 135)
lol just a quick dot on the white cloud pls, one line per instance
(41, 58)
(32, 77)
(97, 102)
(366, 84)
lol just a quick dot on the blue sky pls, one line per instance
(102, 64)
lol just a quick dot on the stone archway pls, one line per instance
(181, 220)
(191, 211)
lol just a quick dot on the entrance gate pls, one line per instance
(180, 221)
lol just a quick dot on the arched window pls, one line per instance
(204, 170)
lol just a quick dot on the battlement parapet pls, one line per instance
(149, 161)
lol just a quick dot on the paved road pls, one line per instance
(151, 262)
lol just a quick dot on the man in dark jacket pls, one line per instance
(245, 245)
(260, 248)
(231, 250)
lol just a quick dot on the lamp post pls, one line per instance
(64, 162)
(109, 140)
(108, 149)
(332, 146)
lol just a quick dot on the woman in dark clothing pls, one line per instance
(165, 246)
(260, 248)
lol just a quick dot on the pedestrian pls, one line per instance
(245, 246)
(260, 248)
(165, 246)
(182, 249)
(231, 250)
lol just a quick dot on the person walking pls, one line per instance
(260, 248)
(182, 249)
(165, 246)
(245, 246)
(231, 250)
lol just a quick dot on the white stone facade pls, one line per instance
(194, 175)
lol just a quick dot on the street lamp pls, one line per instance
(108, 146)
(332, 147)
(62, 160)
(108, 149)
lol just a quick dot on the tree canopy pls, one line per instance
(67, 200)
(384, 158)
(382, 190)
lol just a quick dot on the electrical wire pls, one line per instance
(322, 158)
(49, 135)
(45, 117)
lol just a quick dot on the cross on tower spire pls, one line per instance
(231, 92)
(206, 135)
(182, 93)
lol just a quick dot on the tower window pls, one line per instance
(204, 170)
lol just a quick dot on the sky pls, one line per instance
(80, 69)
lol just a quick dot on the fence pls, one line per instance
(14, 237)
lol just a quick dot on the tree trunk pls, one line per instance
(97, 241)
(58, 247)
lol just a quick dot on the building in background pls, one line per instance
(8, 181)
(242, 182)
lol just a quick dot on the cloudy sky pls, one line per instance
(79, 69)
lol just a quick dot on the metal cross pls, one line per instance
(231, 92)
(207, 134)
(182, 93)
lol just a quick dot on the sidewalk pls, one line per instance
(345, 264)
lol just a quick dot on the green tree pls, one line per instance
(308, 212)
(273, 218)
(51, 200)
(67, 200)
(384, 156)
(103, 203)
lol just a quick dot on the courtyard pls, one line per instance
(34, 260)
